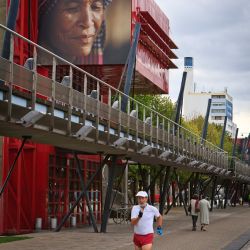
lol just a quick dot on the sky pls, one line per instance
(217, 35)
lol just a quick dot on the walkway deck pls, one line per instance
(229, 229)
(54, 113)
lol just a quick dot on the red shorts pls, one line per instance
(142, 240)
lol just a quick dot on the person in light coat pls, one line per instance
(194, 203)
(204, 212)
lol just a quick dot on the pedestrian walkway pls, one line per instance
(227, 226)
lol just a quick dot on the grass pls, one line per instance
(5, 239)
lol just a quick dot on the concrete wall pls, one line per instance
(196, 105)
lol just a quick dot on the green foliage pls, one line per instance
(214, 132)
(159, 103)
(164, 106)
(5, 239)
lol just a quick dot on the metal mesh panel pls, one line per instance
(62, 93)
(91, 105)
(104, 111)
(140, 126)
(147, 129)
(23, 77)
(78, 99)
(114, 115)
(124, 119)
(44, 86)
(4, 69)
(132, 123)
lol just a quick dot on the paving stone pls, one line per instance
(227, 227)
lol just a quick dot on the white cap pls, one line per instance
(142, 194)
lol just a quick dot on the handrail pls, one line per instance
(109, 86)
(207, 155)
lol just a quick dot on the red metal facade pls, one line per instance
(44, 184)
(154, 52)
(18, 200)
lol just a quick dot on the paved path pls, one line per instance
(229, 230)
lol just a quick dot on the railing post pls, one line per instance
(10, 83)
(97, 118)
(168, 134)
(151, 128)
(53, 94)
(34, 71)
(109, 115)
(144, 125)
(163, 134)
(70, 101)
(128, 121)
(119, 115)
(137, 127)
(157, 134)
(85, 92)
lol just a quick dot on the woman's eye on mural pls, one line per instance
(72, 10)
(97, 6)
(72, 7)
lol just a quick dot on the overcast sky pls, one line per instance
(217, 35)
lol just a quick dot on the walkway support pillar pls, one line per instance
(130, 67)
(205, 126)
(236, 193)
(108, 198)
(213, 192)
(25, 138)
(164, 190)
(180, 99)
(226, 193)
(11, 24)
(223, 134)
(176, 197)
(82, 194)
(92, 217)
(181, 188)
(195, 184)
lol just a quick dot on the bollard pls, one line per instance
(73, 221)
(38, 225)
(53, 223)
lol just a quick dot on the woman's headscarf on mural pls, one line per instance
(96, 55)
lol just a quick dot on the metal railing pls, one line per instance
(150, 131)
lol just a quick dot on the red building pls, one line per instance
(45, 183)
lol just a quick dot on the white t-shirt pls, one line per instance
(145, 224)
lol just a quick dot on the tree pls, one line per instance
(159, 103)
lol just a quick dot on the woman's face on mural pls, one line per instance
(74, 25)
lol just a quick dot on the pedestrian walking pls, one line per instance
(249, 199)
(204, 213)
(194, 210)
(241, 201)
(142, 218)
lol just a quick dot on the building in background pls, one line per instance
(195, 103)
